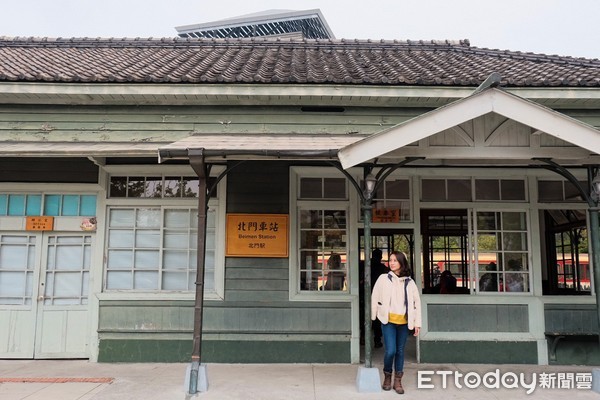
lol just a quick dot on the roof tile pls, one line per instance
(263, 60)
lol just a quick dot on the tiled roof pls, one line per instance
(265, 61)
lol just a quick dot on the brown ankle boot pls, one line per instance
(398, 383)
(387, 381)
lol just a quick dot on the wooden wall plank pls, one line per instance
(478, 317)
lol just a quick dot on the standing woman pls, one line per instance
(396, 303)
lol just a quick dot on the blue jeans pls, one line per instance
(394, 340)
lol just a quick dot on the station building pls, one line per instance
(485, 162)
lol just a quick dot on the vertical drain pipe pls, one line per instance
(197, 162)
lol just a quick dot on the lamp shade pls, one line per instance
(370, 182)
(596, 184)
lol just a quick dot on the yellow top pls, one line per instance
(398, 319)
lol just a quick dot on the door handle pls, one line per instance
(40, 298)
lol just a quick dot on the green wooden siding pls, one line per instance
(158, 317)
(219, 351)
(478, 352)
(166, 124)
(571, 318)
(477, 318)
(252, 279)
(575, 318)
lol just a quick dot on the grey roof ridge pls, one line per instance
(229, 41)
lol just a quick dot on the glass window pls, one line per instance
(16, 204)
(323, 250)
(512, 189)
(136, 186)
(17, 260)
(118, 186)
(67, 275)
(70, 205)
(34, 204)
(88, 205)
(154, 186)
(19, 205)
(459, 190)
(52, 204)
(500, 189)
(155, 249)
(392, 201)
(487, 189)
(558, 191)
(446, 190)
(189, 187)
(3, 204)
(445, 249)
(572, 193)
(567, 267)
(310, 188)
(502, 251)
(323, 188)
(433, 189)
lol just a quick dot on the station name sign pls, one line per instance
(257, 235)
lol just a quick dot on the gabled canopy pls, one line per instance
(491, 100)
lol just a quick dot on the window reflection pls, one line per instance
(323, 253)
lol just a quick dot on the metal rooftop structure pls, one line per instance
(306, 24)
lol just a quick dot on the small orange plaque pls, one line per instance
(39, 223)
(386, 215)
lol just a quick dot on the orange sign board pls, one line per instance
(257, 235)
(386, 215)
(39, 223)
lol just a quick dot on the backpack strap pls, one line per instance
(406, 294)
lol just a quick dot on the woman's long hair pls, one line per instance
(404, 268)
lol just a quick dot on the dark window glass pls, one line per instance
(153, 187)
(136, 187)
(118, 186)
(190, 184)
(572, 193)
(397, 189)
(487, 189)
(334, 188)
(512, 189)
(310, 188)
(550, 191)
(172, 186)
(459, 189)
(433, 189)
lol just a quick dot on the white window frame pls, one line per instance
(217, 203)
(474, 270)
(473, 179)
(350, 205)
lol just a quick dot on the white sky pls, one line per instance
(563, 27)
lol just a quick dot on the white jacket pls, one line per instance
(382, 295)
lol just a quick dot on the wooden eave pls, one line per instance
(258, 147)
(274, 94)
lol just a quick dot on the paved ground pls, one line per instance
(262, 381)
(83, 380)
